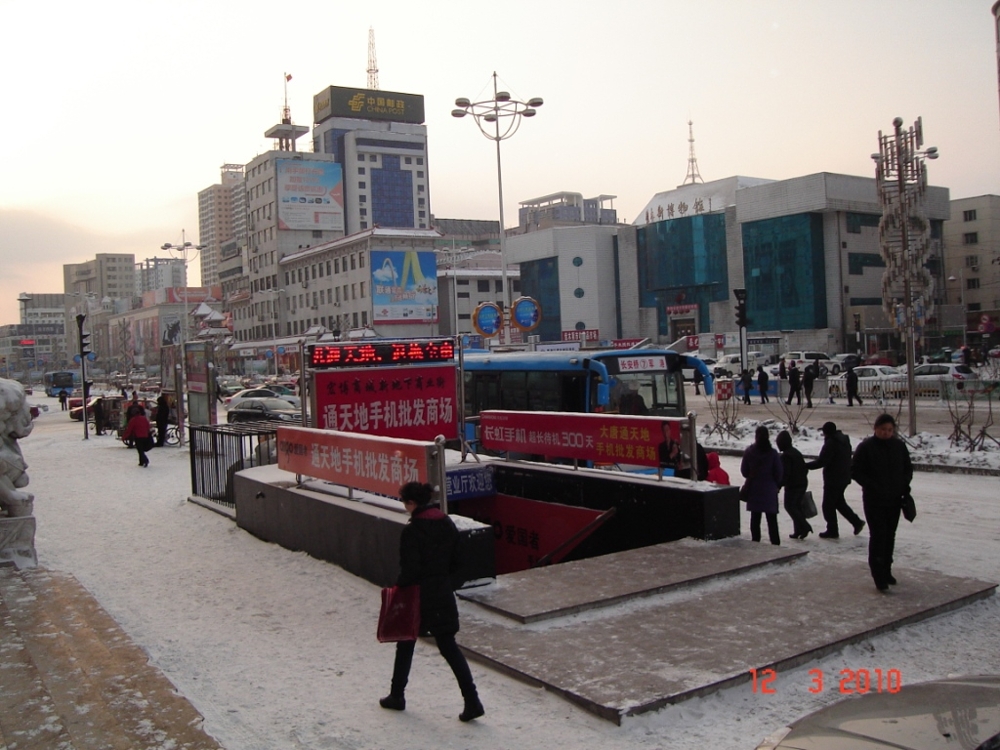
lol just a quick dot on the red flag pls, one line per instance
(288, 76)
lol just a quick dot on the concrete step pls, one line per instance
(70, 677)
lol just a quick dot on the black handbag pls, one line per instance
(808, 505)
(909, 507)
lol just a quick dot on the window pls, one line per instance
(361, 170)
(482, 286)
(422, 214)
(363, 212)
(336, 265)
(364, 224)
(420, 173)
(498, 285)
(328, 268)
(361, 260)
(372, 157)
(972, 283)
(971, 261)
(352, 262)
(361, 157)
(362, 186)
(408, 160)
(420, 188)
(420, 160)
(969, 215)
(362, 199)
(362, 290)
(970, 238)
(463, 295)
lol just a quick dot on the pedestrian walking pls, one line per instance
(137, 430)
(852, 387)
(782, 370)
(428, 556)
(98, 409)
(808, 378)
(762, 471)
(162, 419)
(883, 468)
(835, 461)
(795, 480)
(746, 381)
(794, 383)
(698, 378)
(762, 380)
(63, 400)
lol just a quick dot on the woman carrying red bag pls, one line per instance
(428, 555)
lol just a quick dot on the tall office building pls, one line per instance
(108, 275)
(217, 219)
(159, 273)
(379, 139)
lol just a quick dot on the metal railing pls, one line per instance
(219, 451)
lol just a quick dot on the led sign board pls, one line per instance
(327, 356)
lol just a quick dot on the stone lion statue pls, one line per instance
(15, 423)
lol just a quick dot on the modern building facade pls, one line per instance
(159, 273)
(379, 139)
(972, 265)
(218, 212)
(560, 209)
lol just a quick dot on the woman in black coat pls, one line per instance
(428, 556)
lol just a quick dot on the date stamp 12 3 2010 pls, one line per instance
(849, 681)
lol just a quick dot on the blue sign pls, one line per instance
(268, 354)
(76, 358)
(488, 319)
(470, 482)
(527, 313)
(281, 350)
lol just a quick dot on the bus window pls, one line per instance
(644, 393)
(543, 391)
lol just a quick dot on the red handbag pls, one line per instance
(399, 619)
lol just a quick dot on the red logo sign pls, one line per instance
(414, 402)
(601, 438)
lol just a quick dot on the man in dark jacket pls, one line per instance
(852, 387)
(835, 460)
(795, 480)
(883, 469)
(794, 383)
(762, 380)
(746, 381)
(808, 378)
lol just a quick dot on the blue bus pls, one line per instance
(645, 382)
(60, 380)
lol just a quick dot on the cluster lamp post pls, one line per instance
(498, 119)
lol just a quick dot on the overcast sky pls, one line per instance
(117, 113)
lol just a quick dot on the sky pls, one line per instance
(117, 113)
(277, 650)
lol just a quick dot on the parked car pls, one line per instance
(822, 360)
(263, 410)
(235, 399)
(847, 360)
(728, 365)
(877, 381)
(943, 371)
(956, 712)
(688, 372)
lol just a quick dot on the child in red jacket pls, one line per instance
(716, 473)
(138, 430)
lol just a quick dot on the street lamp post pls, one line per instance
(488, 115)
(901, 180)
(183, 248)
(961, 291)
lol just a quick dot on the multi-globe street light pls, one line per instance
(901, 180)
(498, 119)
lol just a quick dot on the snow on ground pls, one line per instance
(277, 650)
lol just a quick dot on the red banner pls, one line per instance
(601, 438)
(526, 530)
(412, 402)
(376, 464)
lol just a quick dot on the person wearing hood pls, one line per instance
(716, 474)
(883, 468)
(835, 460)
(428, 557)
(761, 467)
(795, 480)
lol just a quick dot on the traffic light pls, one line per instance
(741, 308)
(857, 322)
(85, 344)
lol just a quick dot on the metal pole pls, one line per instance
(904, 227)
(505, 283)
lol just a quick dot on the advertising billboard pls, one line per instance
(310, 195)
(414, 402)
(404, 286)
(367, 104)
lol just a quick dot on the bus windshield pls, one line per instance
(58, 381)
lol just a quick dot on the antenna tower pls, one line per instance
(693, 175)
(372, 62)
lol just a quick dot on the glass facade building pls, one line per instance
(392, 194)
(540, 281)
(783, 264)
(683, 262)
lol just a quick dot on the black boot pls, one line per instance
(473, 709)
(394, 702)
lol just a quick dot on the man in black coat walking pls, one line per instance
(883, 469)
(808, 378)
(762, 381)
(852, 387)
(746, 380)
(794, 384)
(835, 460)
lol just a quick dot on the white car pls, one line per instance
(802, 359)
(876, 381)
(943, 371)
(262, 393)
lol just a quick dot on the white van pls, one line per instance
(729, 365)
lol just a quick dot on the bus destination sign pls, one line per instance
(327, 356)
